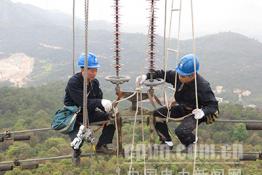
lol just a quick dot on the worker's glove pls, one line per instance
(211, 118)
(107, 104)
(140, 80)
(198, 113)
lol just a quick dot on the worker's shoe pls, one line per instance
(76, 157)
(103, 149)
(168, 144)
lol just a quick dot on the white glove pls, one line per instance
(198, 113)
(140, 80)
(107, 104)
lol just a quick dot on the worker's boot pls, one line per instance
(103, 149)
(76, 157)
(168, 144)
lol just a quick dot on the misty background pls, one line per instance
(36, 42)
(210, 17)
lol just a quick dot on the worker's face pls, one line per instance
(186, 79)
(91, 73)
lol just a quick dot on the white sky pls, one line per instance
(211, 16)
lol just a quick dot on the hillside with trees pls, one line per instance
(33, 107)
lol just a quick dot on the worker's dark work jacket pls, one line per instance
(185, 93)
(74, 96)
(74, 93)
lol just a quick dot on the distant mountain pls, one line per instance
(228, 59)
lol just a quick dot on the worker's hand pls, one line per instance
(107, 104)
(198, 113)
(140, 80)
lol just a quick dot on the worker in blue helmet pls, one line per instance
(185, 101)
(98, 108)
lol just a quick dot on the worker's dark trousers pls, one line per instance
(185, 129)
(96, 116)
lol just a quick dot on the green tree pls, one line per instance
(239, 132)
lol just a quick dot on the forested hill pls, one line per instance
(25, 108)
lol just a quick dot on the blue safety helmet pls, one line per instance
(92, 61)
(186, 65)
